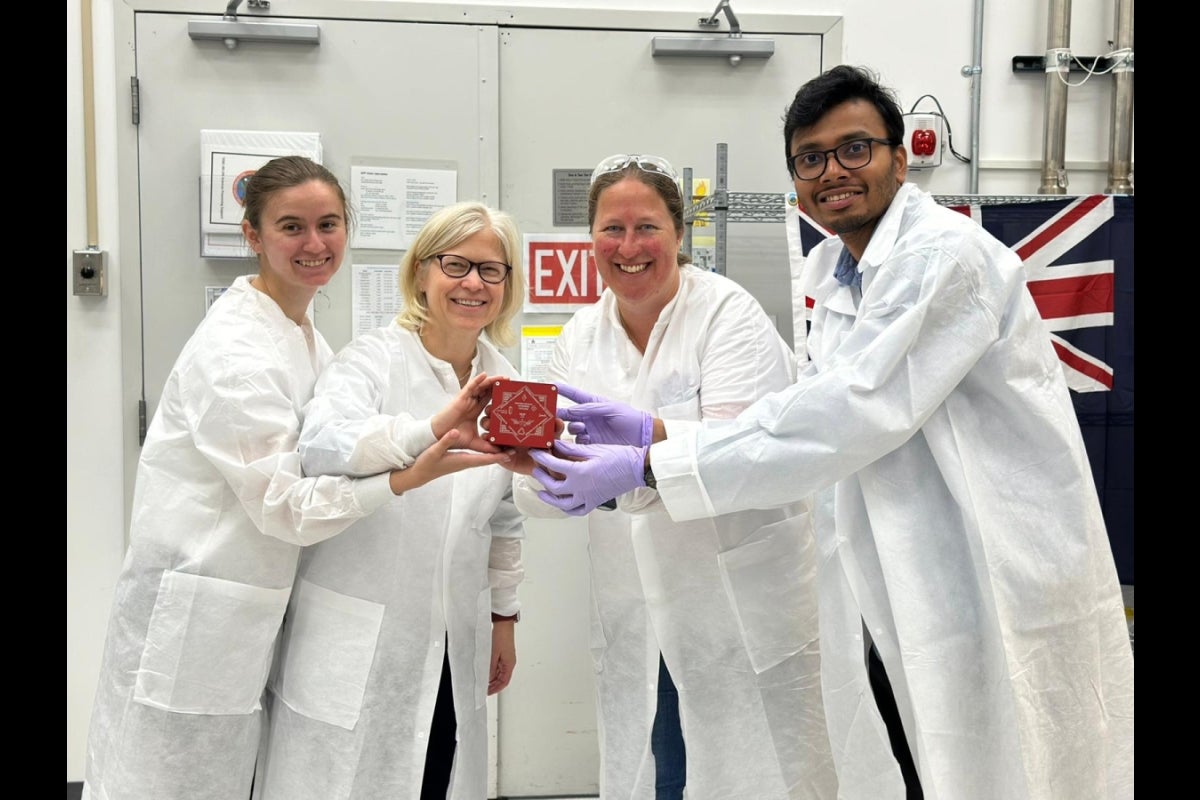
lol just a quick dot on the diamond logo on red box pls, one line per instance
(523, 413)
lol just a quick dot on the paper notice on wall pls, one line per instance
(704, 239)
(393, 203)
(537, 346)
(227, 160)
(376, 296)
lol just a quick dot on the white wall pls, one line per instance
(915, 54)
(95, 483)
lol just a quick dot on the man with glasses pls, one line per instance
(966, 574)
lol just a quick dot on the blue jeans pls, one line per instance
(666, 740)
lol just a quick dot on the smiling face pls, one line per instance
(463, 305)
(850, 202)
(300, 243)
(636, 247)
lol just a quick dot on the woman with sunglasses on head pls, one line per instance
(398, 632)
(704, 633)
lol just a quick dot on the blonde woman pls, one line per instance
(397, 634)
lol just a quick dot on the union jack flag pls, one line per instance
(1078, 256)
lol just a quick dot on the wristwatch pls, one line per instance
(648, 477)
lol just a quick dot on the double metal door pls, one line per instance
(504, 105)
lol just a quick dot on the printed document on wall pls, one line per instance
(227, 160)
(376, 299)
(393, 203)
(537, 348)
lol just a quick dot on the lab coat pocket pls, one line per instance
(328, 646)
(770, 580)
(209, 644)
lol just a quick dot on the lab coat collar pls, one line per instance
(611, 310)
(828, 291)
(842, 298)
(883, 239)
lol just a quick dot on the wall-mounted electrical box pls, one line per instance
(88, 269)
(923, 140)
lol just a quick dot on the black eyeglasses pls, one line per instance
(459, 267)
(854, 154)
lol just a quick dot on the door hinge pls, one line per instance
(135, 100)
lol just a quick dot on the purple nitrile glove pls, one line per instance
(598, 420)
(605, 471)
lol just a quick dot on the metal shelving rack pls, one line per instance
(723, 206)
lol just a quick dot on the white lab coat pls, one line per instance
(729, 601)
(965, 528)
(219, 513)
(362, 647)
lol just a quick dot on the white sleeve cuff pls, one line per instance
(525, 489)
(678, 474)
(373, 492)
(413, 436)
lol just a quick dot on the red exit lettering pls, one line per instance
(563, 272)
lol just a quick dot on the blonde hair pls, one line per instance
(448, 228)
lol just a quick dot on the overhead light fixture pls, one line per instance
(231, 31)
(734, 46)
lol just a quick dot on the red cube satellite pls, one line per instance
(523, 414)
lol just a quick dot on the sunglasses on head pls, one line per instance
(645, 163)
